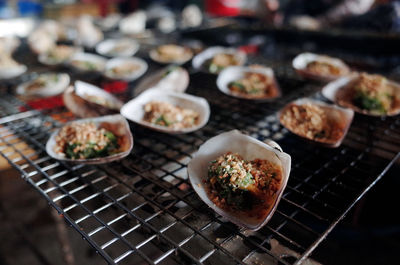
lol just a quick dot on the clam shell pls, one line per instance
(335, 114)
(337, 91)
(249, 148)
(11, 72)
(155, 56)
(177, 80)
(46, 60)
(234, 73)
(122, 60)
(133, 110)
(199, 60)
(51, 88)
(114, 123)
(105, 47)
(301, 61)
(133, 23)
(99, 61)
(76, 100)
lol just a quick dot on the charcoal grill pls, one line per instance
(142, 209)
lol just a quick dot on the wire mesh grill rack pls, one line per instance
(142, 210)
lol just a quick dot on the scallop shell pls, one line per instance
(114, 123)
(109, 22)
(51, 88)
(46, 60)
(334, 113)
(234, 73)
(76, 100)
(122, 60)
(188, 54)
(199, 60)
(12, 72)
(134, 109)
(336, 91)
(105, 47)
(249, 148)
(92, 58)
(302, 60)
(177, 80)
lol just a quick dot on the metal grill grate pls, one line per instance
(142, 209)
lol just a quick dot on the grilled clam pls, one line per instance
(171, 53)
(249, 83)
(248, 149)
(117, 47)
(170, 78)
(368, 94)
(73, 142)
(215, 59)
(167, 111)
(320, 67)
(44, 85)
(317, 121)
(86, 100)
(122, 68)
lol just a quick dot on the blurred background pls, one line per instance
(365, 33)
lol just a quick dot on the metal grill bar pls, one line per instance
(143, 210)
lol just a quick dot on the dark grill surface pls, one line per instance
(142, 209)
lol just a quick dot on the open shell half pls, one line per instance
(301, 61)
(46, 59)
(113, 123)
(247, 147)
(86, 100)
(134, 109)
(13, 70)
(87, 62)
(170, 78)
(54, 84)
(117, 47)
(185, 54)
(339, 118)
(234, 73)
(201, 59)
(341, 92)
(134, 68)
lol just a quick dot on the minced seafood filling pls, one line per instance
(373, 93)
(254, 85)
(308, 120)
(324, 68)
(85, 140)
(240, 185)
(168, 115)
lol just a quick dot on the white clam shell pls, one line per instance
(155, 56)
(76, 100)
(120, 128)
(133, 23)
(128, 61)
(332, 92)
(106, 47)
(301, 61)
(51, 88)
(333, 112)
(88, 34)
(234, 73)
(46, 60)
(199, 60)
(11, 72)
(134, 109)
(99, 61)
(249, 148)
(177, 80)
